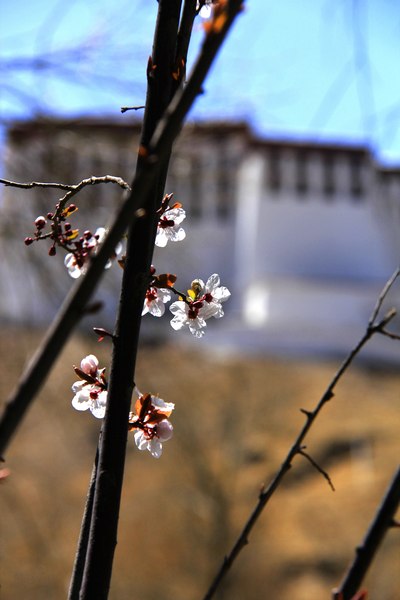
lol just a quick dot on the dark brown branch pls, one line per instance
(103, 532)
(266, 493)
(80, 557)
(105, 513)
(365, 553)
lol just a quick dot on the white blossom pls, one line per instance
(151, 424)
(74, 269)
(155, 300)
(152, 437)
(193, 315)
(89, 397)
(90, 391)
(205, 301)
(169, 228)
(213, 293)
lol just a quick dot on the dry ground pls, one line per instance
(234, 421)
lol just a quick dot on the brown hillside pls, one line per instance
(234, 421)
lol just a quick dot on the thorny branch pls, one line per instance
(265, 495)
(383, 520)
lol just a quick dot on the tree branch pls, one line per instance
(311, 416)
(70, 188)
(162, 84)
(365, 553)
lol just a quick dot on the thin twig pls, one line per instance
(317, 467)
(311, 416)
(389, 334)
(365, 553)
(126, 108)
(76, 187)
(382, 296)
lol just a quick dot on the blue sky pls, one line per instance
(310, 69)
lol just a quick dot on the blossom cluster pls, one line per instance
(150, 423)
(149, 420)
(202, 301)
(79, 248)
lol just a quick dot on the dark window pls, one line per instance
(225, 176)
(274, 169)
(328, 184)
(195, 188)
(301, 172)
(356, 187)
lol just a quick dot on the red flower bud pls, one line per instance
(28, 241)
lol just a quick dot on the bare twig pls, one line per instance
(311, 416)
(317, 467)
(126, 108)
(389, 334)
(70, 189)
(365, 553)
(382, 296)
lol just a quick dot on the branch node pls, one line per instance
(308, 413)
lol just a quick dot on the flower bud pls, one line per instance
(40, 222)
(89, 365)
(164, 430)
(52, 251)
(28, 241)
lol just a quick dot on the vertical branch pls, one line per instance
(366, 552)
(112, 449)
(79, 563)
(97, 574)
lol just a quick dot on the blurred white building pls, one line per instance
(304, 234)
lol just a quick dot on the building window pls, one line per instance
(225, 183)
(356, 187)
(195, 176)
(274, 169)
(328, 185)
(301, 172)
